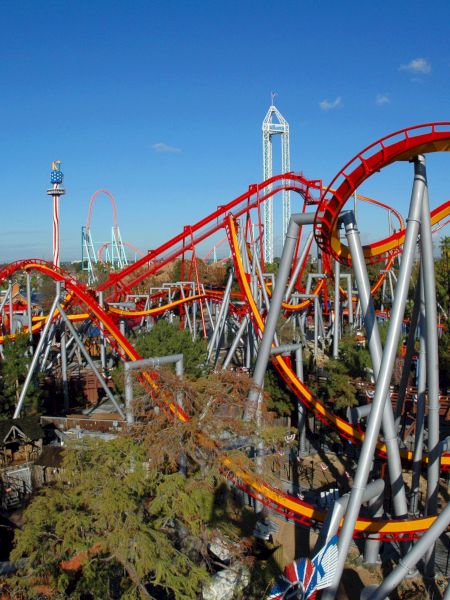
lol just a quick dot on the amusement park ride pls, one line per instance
(111, 253)
(241, 329)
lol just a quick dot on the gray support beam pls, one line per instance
(145, 363)
(408, 357)
(63, 348)
(253, 406)
(337, 306)
(64, 367)
(249, 345)
(390, 433)
(334, 516)
(4, 301)
(356, 413)
(385, 374)
(29, 315)
(408, 562)
(298, 266)
(348, 277)
(89, 360)
(262, 283)
(275, 308)
(420, 410)
(48, 346)
(376, 352)
(217, 334)
(128, 382)
(235, 343)
(301, 412)
(35, 358)
(11, 320)
(284, 349)
(372, 545)
(431, 340)
(316, 327)
(102, 335)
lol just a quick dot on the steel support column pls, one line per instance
(376, 352)
(432, 358)
(408, 562)
(337, 305)
(35, 358)
(385, 374)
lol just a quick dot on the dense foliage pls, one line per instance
(164, 339)
(126, 521)
(13, 371)
(341, 373)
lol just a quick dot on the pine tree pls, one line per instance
(126, 521)
(13, 370)
(165, 339)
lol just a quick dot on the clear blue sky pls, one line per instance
(161, 102)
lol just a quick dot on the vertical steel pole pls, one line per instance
(301, 416)
(337, 304)
(63, 354)
(102, 335)
(35, 358)
(385, 374)
(350, 300)
(235, 343)
(316, 326)
(128, 379)
(29, 315)
(372, 545)
(376, 351)
(89, 361)
(11, 314)
(298, 266)
(217, 333)
(275, 308)
(408, 562)
(420, 407)
(429, 285)
(408, 357)
(64, 366)
(253, 407)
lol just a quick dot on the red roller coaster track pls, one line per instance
(402, 145)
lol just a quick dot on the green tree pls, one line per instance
(339, 387)
(355, 356)
(165, 339)
(274, 266)
(443, 275)
(279, 397)
(13, 370)
(125, 522)
(444, 360)
(341, 373)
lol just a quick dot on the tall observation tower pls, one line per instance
(275, 124)
(56, 179)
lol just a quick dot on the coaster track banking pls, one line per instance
(281, 502)
(433, 139)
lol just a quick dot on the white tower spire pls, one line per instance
(271, 127)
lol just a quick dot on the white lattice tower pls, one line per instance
(271, 127)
